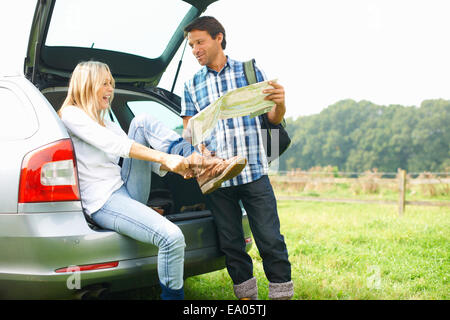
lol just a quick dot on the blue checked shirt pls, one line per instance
(230, 137)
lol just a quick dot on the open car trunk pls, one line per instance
(177, 198)
(137, 39)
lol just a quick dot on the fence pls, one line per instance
(369, 180)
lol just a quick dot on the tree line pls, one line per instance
(359, 136)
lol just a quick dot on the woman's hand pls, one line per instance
(177, 164)
(169, 162)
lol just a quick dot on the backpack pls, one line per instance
(283, 140)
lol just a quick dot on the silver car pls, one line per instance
(48, 248)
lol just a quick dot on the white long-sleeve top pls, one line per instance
(98, 150)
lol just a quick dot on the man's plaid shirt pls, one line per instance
(231, 137)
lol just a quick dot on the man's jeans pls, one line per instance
(260, 204)
(126, 211)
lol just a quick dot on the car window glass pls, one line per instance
(158, 111)
(144, 27)
(17, 116)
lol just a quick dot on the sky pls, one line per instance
(321, 51)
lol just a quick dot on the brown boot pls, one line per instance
(211, 171)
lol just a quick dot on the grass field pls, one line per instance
(349, 251)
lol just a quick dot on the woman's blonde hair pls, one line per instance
(87, 78)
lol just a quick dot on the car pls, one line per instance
(49, 248)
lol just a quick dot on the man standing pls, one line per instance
(238, 136)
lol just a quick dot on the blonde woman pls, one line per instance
(115, 197)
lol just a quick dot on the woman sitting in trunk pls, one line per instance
(115, 197)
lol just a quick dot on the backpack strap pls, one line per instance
(285, 141)
(249, 71)
(250, 75)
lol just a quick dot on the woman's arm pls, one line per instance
(169, 162)
(79, 124)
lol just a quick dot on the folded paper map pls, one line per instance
(245, 101)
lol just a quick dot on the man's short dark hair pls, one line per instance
(208, 24)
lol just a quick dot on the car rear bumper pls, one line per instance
(129, 274)
(30, 258)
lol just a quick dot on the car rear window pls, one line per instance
(144, 27)
(17, 117)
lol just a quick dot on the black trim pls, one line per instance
(189, 215)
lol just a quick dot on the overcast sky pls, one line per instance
(322, 51)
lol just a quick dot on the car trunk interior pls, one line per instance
(172, 195)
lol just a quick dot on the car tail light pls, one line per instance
(49, 174)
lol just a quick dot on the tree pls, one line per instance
(358, 136)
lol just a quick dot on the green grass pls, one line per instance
(350, 251)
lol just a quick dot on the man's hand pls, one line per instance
(276, 95)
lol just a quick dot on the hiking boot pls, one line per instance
(211, 171)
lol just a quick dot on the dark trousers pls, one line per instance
(261, 207)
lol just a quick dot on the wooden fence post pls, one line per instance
(402, 190)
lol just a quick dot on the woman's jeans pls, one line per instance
(126, 211)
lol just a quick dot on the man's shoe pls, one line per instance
(281, 291)
(247, 290)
